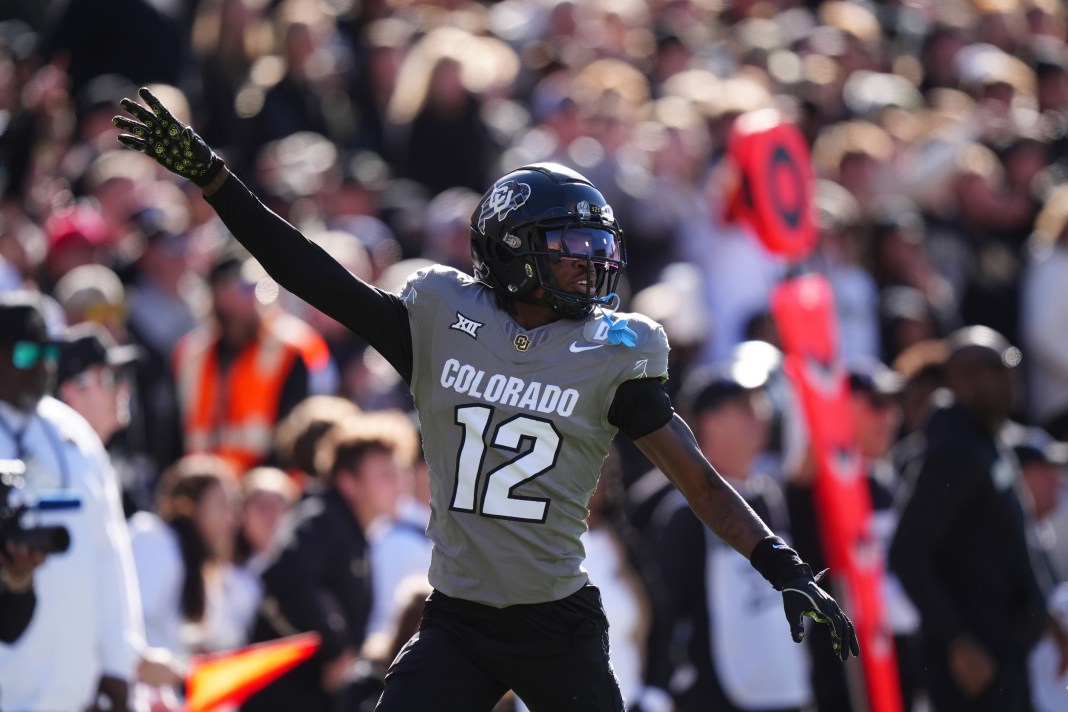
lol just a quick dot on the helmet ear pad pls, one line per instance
(516, 271)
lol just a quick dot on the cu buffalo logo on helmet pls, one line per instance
(505, 198)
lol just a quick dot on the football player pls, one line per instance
(522, 373)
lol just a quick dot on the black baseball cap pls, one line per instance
(22, 319)
(229, 262)
(708, 391)
(873, 376)
(1054, 452)
(750, 368)
(89, 344)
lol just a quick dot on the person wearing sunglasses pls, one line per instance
(83, 643)
(31, 363)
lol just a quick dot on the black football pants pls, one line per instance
(465, 657)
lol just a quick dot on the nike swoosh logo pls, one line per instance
(575, 348)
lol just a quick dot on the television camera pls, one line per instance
(16, 502)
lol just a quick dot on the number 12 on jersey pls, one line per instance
(535, 441)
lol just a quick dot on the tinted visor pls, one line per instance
(583, 242)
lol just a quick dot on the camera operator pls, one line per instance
(83, 643)
(17, 598)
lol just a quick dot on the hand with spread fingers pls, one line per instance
(802, 596)
(167, 140)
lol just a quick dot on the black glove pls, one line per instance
(802, 596)
(164, 138)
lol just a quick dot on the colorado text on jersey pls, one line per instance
(508, 390)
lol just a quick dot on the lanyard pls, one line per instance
(53, 441)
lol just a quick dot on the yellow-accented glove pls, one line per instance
(802, 596)
(167, 140)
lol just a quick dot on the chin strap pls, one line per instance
(618, 331)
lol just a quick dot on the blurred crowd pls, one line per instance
(269, 461)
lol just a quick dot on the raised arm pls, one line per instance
(674, 450)
(295, 262)
(308, 271)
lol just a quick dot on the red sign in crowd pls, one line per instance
(773, 195)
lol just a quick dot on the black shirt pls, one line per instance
(961, 548)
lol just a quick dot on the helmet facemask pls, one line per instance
(599, 246)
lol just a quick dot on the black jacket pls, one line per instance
(961, 547)
(319, 581)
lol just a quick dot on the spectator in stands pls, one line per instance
(447, 226)
(132, 26)
(1044, 466)
(241, 373)
(840, 255)
(166, 300)
(117, 187)
(77, 235)
(267, 496)
(399, 545)
(321, 578)
(93, 299)
(195, 602)
(875, 393)
(906, 317)
(1044, 316)
(94, 293)
(90, 378)
(23, 247)
(438, 135)
(226, 38)
(94, 378)
(299, 98)
(297, 437)
(922, 368)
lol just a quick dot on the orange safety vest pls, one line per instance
(233, 414)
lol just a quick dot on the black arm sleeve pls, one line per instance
(640, 406)
(305, 269)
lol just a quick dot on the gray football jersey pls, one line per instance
(515, 430)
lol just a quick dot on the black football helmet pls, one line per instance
(535, 216)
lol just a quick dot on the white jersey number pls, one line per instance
(537, 443)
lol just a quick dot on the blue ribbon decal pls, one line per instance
(618, 331)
